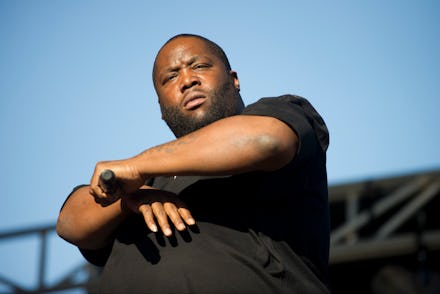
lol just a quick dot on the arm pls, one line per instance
(90, 225)
(85, 223)
(232, 145)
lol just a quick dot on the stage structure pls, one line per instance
(385, 237)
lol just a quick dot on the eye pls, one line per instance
(200, 66)
(169, 77)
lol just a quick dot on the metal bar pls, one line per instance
(392, 246)
(408, 210)
(13, 285)
(378, 209)
(42, 261)
(23, 232)
(352, 209)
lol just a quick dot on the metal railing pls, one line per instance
(68, 281)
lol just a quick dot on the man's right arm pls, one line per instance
(87, 224)
(90, 225)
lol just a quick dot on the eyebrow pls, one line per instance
(190, 61)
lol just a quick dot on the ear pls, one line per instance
(236, 80)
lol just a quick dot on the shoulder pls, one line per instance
(294, 110)
(286, 98)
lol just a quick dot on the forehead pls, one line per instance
(180, 49)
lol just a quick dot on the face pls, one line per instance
(194, 86)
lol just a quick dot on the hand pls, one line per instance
(158, 205)
(127, 176)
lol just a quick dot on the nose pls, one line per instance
(189, 80)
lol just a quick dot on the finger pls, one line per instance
(99, 196)
(186, 215)
(173, 214)
(161, 217)
(95, 189)
(102, 198)
(184, 212)
(146, 211)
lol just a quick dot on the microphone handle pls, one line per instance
(107, 181)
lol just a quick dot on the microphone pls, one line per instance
(107, 182)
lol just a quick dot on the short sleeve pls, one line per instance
(299, 114)
(97, 257)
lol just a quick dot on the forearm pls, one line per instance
(87, 224)
(233, 145)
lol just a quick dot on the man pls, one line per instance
(254, 179)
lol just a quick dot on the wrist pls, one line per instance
(125, 208)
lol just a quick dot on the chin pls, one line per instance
(199, 113)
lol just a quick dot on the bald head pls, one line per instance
(213, 47)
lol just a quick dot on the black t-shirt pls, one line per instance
(259, 232)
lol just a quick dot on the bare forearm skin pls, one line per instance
(233, 145)
(87, 224)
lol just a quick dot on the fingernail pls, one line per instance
(153, 228)
(181, 226)
(167, 232)
(190, 221)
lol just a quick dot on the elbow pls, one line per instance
(76, 234)
(72, 231)
(278, 143)
(277, 151)
(65, 229)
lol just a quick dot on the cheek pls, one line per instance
(168, 97)
(214, 85)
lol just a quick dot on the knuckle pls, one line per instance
(169, 206)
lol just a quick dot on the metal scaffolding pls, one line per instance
(375, 220)
(375, 217)
(386, 235)
(69, 281)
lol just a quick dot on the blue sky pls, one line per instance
(75, 88)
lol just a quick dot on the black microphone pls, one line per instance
(107, 182)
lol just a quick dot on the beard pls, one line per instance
(222, 105)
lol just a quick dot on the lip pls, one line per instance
(193, 100)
